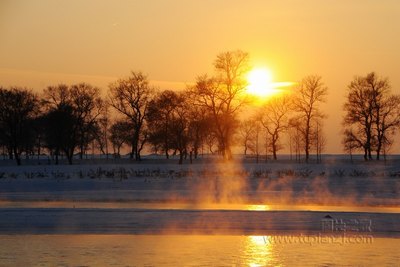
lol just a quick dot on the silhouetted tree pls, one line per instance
(103, 129)
(223, 96)
(60, 131)
(248, 134)
(310, 92)
(296, 141)
(18, 108)
(372, 114)
(180, 125)
(131, 97)
(88, 105)
(81, 106)
(169, 121)
(274, 118)
(350, 143)
(199, 126)
(121, 132)
(159, 119)
(39, 135)
(319, 139)
(211, 142)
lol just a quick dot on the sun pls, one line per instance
(260, 83)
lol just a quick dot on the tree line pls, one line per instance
(72, 119)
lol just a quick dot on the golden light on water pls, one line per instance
(258, 251)
(258, 240)
(258, 207)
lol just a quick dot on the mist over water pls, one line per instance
(219, 183)
(207, 213)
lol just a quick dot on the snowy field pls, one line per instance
(239, 197)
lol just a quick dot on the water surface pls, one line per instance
(191, 250)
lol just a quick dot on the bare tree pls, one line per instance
(121, 133)
(350, 143)
(18, 108)
(296, 141)
(310, 92)
(180, 127)
(274, 118)
(169, 121)
(210, 142)
(386, 119)
(103, 129)
(131, 97)
(359, 115)
(223, 96)
(61, 131)
(372, 114)
(159, 119)
(248, 134)
(199, 125)
(56, 96)
(88, 107)
(319, 139)
(80, 105)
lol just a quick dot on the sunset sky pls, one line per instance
(44, 42)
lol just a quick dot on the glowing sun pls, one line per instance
(260, 83)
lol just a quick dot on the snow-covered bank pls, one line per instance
(205, 198)
(334, 183)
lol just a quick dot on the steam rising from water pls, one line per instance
(223, 182)
(220, 182)
(210, 197)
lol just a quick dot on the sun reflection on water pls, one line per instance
(258, 207)
(258, 251)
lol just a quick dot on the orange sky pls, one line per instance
(49, 41)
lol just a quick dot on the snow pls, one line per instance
(157, 196)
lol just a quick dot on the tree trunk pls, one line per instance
(70, 155)
(274, 148)
(307, 140)
(17, 157)
(378, 150)
(39, 146)
(132, 152)
(180, 157)
(81, 153)
(57, 152)
(307, 151)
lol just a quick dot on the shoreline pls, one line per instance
(210, 222)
